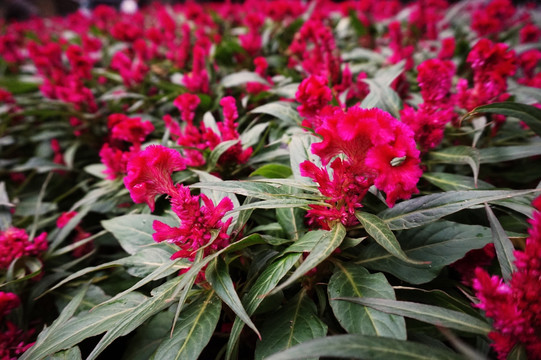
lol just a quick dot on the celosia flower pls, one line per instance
(435, 79)
(379, 150)
(8, 302)
(313, 94)
(149, 173)
(199, 225)
(132, 130)
(515, 306)
(187, 104)
(14, 243)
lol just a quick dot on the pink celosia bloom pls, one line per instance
(132, 130)
(379, 150)
(493, 18)
(8, 302)
(447, 50)
(64, 218)
(132, 70)
(435, 79)
(149, 173)
(14, 243)
(198, 79)
(115, 161)
(515, 307)
(315, 49)
(313, 94)
(80, 63)
(530, 33)
(261, 66)
(199, 225)
(428, 123)
(228, 130)
(187, 104)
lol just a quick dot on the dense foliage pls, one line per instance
(277, 179)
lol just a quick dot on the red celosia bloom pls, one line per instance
(132, 130)
(228, 131)
(115, 161)
(515, 307)
(315, 49)
(132, 70)
(149, 173)
(198, 79)
(261, 66)
(428, 123)
(14, 243)
(492, 64)
(493, 18)
(64, 218)
(447, 50)
(379, 150)
(8, 302)
(186, 104)
(199, 225)
(313, 94)
(435, 78)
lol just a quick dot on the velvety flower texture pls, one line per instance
(379, 150)
(515, 306)
(149, 173)
(199, 225)
(15, 243)
(13, 341)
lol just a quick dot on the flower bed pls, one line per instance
(276, 180)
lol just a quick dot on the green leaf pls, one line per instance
(299, 150)
(518, 353)
(194, 329)
(149, 336)
(497, 154)
(328, 242)
(274, 204)
(364, 347)
(429, 208)
(83, 326)
(356, 281)
(281, 110)
(458, 155)
(307, 242)
(294, 324)
(134, 231)
(5, 205)
(504, 247)
(218, 151)
(359, 53)
(527, 113)
(256, 189)
(124, 323)
(273, 171)
(241, 78)
(452, 182)
(18, 85)
(383, 97)
(71, 354)
(427, 243)
(380, 232)
(217, 275)
(269, 278)
(434, 315)
(292, 219)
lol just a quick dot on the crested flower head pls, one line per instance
(364, 147)
(149, 173)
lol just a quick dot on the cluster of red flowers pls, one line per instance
(13, 341)
(515, 306)
(149, 175)
(15, 243)
(376, 149)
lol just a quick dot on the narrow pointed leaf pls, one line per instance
(194, 329)
(71, 354)
(85, 325)
(126, 323)
(497, 154)
(218, 151)
(267, 281)
(434, 315)
(294, 324)
(428, 243)
(281, 110)
(429, 208)
(364, 347)
(380, 232)
(218, 277)
(149, 336)
(527, 113)
(504, 247)
(458, 155)
(329, 241)
(241, 78)
(356, 281)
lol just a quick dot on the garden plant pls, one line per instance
(272, 180)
